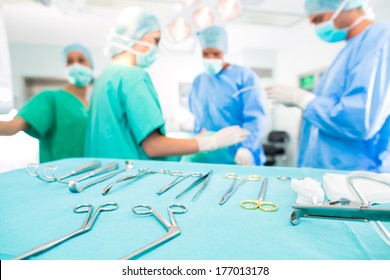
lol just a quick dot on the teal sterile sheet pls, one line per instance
(33, 212)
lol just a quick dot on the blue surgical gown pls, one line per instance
(233, 97)
(347, 127)
(124, 111)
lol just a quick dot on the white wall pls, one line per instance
(6, 98)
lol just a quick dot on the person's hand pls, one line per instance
(201, 133)
(290, 96)
(225, 137)
(244, 157)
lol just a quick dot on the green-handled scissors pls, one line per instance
(265, 206)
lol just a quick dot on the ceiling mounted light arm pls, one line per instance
(228, 9)
(190, 3)
(179, 29)
(203, 17)
(197, 15)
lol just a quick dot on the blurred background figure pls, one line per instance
(58, 117)
(126, 119)
(347, 120)
(272, 38)
(227, 94)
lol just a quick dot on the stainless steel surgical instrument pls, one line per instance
(101, 170)
(172, 227)
(350, 210)
(129, 165)
(180, 178)
(265, 206)
(234, 186)
(32, 170)
(142, 172)
(87, 225)
(205, 179)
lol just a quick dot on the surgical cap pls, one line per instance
(76, 48)
(323, 6)
(213, 37)
(132, 23)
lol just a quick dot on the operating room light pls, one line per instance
(190, 3)
(179, 29)
(203, 17)
(228, 9)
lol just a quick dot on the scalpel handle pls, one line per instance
(84, 168)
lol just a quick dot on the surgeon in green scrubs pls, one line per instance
(125, 119)
(58, 118)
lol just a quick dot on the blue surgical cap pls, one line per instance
(213, 37)
(76, 48)
(323, 6)
(132, 23)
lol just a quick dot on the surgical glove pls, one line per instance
(309, 191)
(225, 137)
(244, 157)
(290, 96)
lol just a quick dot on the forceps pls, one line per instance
(32, 170)
(260, 204)
(180, 178)
(87, 225)
(205, 179)
(173, 228)
(142, 172)
(129, 165)
(233, 187)
(98, 171)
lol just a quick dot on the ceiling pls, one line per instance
(268, 24)
(264, 12)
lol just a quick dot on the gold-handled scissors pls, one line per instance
(265, 206)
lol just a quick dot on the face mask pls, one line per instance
(213, 66)
(79, 75)
(328, 31)
(143, 60)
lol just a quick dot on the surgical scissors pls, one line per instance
(32, 170)
(180, 178)
(87, 225)
(142, 172)
(172, 227)
(205, 179)
(233, 187)
(260, 204)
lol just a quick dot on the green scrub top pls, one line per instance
(124, 110)
(58, 119)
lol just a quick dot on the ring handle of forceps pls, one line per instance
(248, 178)
(177, 208)
(177, 173)
(265, 206)
(232, 176)
(108, 206)
(144, 209)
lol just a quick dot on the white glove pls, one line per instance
(290, 96)
(225, 137)
(244, 157)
